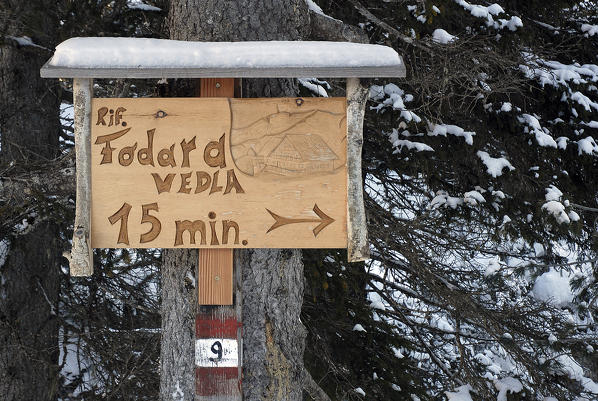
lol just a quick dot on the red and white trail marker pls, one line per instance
(217, 367)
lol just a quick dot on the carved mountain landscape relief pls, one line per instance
(219, 173)
(291, 140)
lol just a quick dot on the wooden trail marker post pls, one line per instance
(216, 172)
(218, 329)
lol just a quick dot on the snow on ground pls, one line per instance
(161, 53)
(494, 165)
(443, 37)
(74, 363)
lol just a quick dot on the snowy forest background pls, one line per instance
(481, 172)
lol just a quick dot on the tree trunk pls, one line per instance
(273, 336)
(179, 299)
(29, 259)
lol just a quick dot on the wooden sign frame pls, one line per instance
(218, 347)
(355, 62)
(81, 256)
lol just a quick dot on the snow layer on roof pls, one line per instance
(160, 53)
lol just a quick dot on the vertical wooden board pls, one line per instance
(218, 328)
(217, 87)
(215, 279)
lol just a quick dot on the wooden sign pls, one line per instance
(219, 173)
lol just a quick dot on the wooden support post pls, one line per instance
(357, 244)
(215, 277)
(81, 255)
(218, 346)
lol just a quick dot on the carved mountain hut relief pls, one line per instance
(234, 173)
(288, 141)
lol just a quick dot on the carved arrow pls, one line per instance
(324, 220)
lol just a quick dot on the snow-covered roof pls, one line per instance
(159, 58)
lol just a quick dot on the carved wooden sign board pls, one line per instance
(219, 173)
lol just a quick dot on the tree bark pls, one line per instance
(29, 257)
(177, 352)
(273, 336)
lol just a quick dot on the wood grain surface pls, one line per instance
(219, 173)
